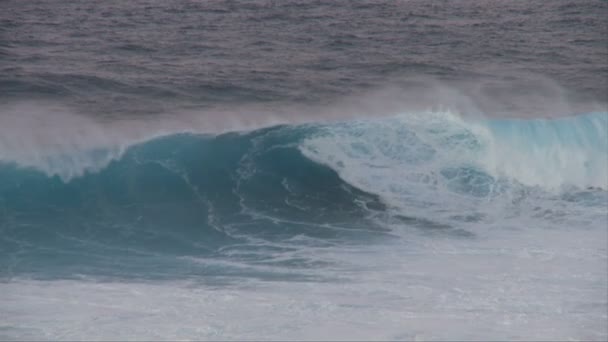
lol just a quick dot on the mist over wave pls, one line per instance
(549, 152)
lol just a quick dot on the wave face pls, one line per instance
(178, 195)
(158, 207)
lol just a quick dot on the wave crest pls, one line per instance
(442, 149)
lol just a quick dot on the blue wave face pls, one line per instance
(227, 197)
(180, 195)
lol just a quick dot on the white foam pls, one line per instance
(414, 148)
(534, 285)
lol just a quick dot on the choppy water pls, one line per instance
(304, 170)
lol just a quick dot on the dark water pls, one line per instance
(119, 57)
(303, 170)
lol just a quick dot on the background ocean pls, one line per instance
(301, 169)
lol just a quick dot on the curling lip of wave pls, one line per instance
(486, 154)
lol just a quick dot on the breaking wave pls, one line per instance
(189, 194)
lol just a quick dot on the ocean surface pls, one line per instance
(304, 170)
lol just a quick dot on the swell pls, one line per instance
(197, 196)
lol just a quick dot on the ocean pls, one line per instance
(304, 170)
